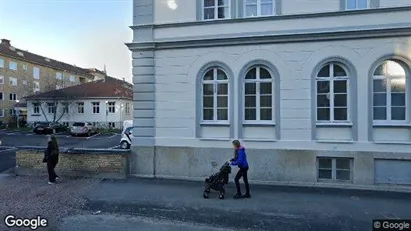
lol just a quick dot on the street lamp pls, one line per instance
(17, 113)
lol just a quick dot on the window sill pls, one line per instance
(214, 123)
(258, 123)
(215, 139)
(392, 142)
(335, 124)
(336, 141)
(259, 140)
(330, 181)
(388, 125)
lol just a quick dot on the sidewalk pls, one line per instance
(271, 208)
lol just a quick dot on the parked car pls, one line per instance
(83, 128)
(126, 135)
(48, 128)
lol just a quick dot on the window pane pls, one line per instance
(379, 70)
(266, 9)
(362, 4)
(266, 114)
(264, 73)
(351, 4)
(397, 99)
(393, 68)
(324, 72)
(208, 101)
(324, 163)
(207, 114)
(323, 86)
(323, 114)
(397, 113)
(209, 13)
(380, 99)
(323, 101)
(251, 10)
(398, 85)
(208, 89)
(250, 101)
(266, 101)
(343, 175)
(343, 163)
(223, 2)
(379, 85)
(208, 3)
(339, 71)
(251, 74)
(340, 100)
(265, 88)
(221, 75)
(324, 174)
(250, 88)
(222, 101)
(209, 75)
(222, 89)
(223, 12)
(380, 113)
(250, 114)
(340, 114)
(222, 114)
(340, 86)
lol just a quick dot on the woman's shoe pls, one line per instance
(238, 196)
(247, 195)
(51, 183)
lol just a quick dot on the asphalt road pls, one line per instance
(7, 159)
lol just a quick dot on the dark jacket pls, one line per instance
(241, 160)
(51, 152)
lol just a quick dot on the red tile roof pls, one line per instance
(7, 50)
(96, 89)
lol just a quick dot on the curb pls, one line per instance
(10, 171)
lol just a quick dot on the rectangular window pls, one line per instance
(334, 169)
(24, 67)
(13, 96)
(72, 78)
(216, 9)
(65, 108)
(36, 73)
(36, 108)
(36, 86)
(51, 108)
(1, 112)
(96, 107)
(13, 81)
(356, 4)
(1, 95)
(59, 75)
(111, 124)
(12, 112)
(111, 107)
(254, 8)
(1, 63)
(80, 107)
(127, 109)
(24, 82)
(1, 79)
(13, 66)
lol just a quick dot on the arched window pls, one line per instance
(332, 93)
(389, 92)
(215, 95)
(258, 95)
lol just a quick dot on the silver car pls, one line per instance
(83, 128)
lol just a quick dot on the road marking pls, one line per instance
(93, 136)
(113, 136)
(117, 146)
(8, 150)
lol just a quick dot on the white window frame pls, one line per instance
(357, 5)
(65, 107)
(24, 67)
(80, 105)
(51, 108)
(14, 80)
(388, 97)
(258, 81)
(111, 107)
(1, 63)
(36, 108)
(259, 3)
(13, 65)
(13, 96)
(59, 75)
(334, 169)
(215, 83)
(216, 6)
(72, 78)
(1, 79)
(36, 72)
(36, 86)
(331, 80)
(127, 109)
(94, 106)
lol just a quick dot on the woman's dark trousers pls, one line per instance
(242, 173)
(51, 164)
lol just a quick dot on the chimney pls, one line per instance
(5, 42)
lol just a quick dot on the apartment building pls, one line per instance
(23, 73)
(317, 91)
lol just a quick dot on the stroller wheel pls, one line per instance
(221, 196)
(205, 195)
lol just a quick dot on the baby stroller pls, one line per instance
(217, 181)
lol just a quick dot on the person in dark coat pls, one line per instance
(240, 160)
(52, 157)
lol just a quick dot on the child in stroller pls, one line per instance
(217, 181)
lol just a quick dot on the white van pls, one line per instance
(126, 135)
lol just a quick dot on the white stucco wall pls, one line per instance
(309, 6)
(394, 3)
(176, 74)
(174, 11)
(87, 116)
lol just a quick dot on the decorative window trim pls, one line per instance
(259, 3)
(331, 80)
